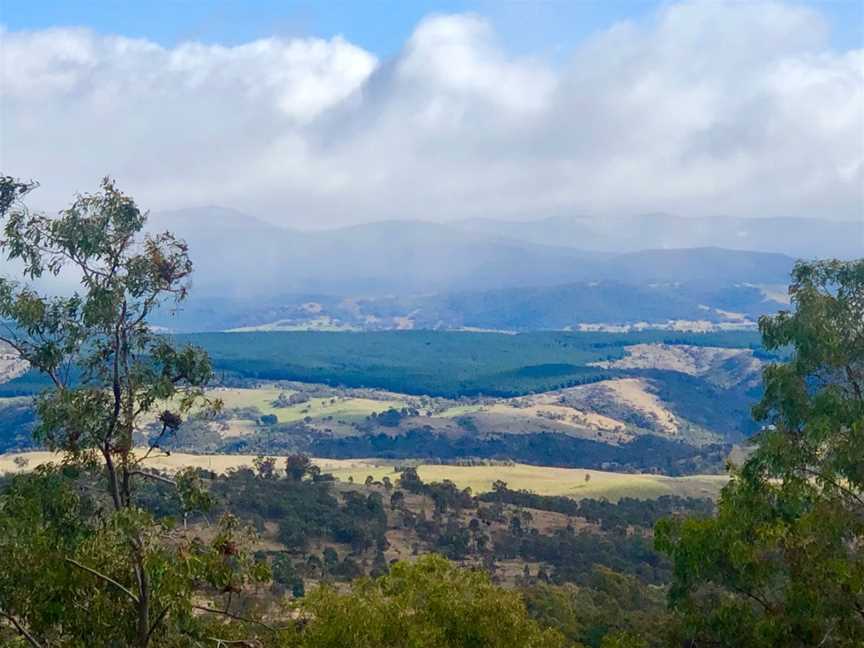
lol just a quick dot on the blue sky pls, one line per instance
(541, 27)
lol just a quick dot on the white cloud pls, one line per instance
(710, 108)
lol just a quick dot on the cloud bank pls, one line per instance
(708, 109)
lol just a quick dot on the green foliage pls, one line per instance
(305, 511)
(67, 576)
(646, 452)
(297, 466)
(610, 610)
(782, 563)
(428, 604)
(611, 516)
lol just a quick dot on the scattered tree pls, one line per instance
(297, 466)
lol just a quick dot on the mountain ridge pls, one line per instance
(237, 254)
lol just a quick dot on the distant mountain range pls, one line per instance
(806, 238)
(553, 273)
(237, 255)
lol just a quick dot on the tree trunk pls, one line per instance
(143, 631)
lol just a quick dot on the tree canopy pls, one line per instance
(428, 604)
(80, 569)
(782, 562)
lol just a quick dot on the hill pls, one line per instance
(541, 480)
(669, 402)
(604, 304)
(576, 304)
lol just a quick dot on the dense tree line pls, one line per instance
(645, 453)
(450, 364)
(620, 515)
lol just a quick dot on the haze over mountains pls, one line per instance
(553, 273)
(233, 251)
(796, 237)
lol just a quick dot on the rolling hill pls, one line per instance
(567, 306)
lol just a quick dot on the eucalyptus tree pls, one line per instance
(110, 376)
(782, 564)
(428, 604)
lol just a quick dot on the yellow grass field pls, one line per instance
(337, 407)
(543, 480)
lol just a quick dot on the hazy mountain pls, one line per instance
(236, 255)
(405, 257)
(709, 264)
(606, 302)
(239, 256)
(796, 237)
(400, 273)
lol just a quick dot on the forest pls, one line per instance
(439, 363)
(449, 364)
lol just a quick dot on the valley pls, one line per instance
(538, 431)
(524, 324)
(650, 402)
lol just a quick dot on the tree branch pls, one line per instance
(827, 635)
(236, 617)
(835, 484)
(155, 442)
(13, 344)
(107, 579)
(112, 474)
(765, 605)
(850, 376)
(156, 476)
(21, 630)
(156, 622)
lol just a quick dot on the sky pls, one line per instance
(324, 114)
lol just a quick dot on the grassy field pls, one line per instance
(545, 480)
(539, 479)
(217, 462)
(337, 407)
